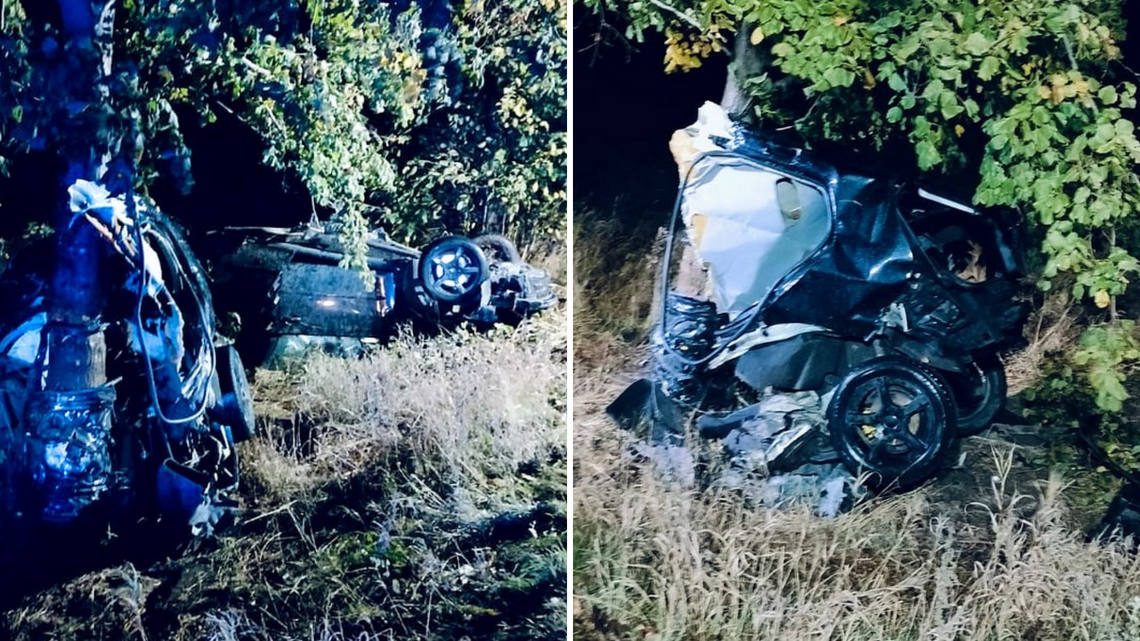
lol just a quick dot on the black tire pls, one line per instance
(452, 269)
(899, 443)
(236, 402)
(498, 247)
(979, 393)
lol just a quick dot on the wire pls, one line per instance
(148, 367)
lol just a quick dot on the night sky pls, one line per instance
(625, 109)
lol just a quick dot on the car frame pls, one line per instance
(289, 291)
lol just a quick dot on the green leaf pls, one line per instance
(928, 155)
(989, 67)
(839, 77)
(889, 21)
(933, 90)
(1107, 94)
(971, 107)
(1104, 134)
(977, 44)
(782, 50)
(907, 48)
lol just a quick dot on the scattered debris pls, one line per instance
(672, 463)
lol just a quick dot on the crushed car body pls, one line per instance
(289, 293)
(158, 438)
(783, 273)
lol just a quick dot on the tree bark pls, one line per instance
(76, 345)
(747, 61)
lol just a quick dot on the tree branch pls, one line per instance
(677, 12)
(253, 66)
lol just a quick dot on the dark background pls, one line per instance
(231, 185)
(625, 110)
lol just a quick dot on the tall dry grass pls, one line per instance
(658, 562)
(418, 492)
(465, 407)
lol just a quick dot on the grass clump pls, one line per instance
(686, 565)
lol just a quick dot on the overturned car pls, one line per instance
(288, 292)
(783, 274)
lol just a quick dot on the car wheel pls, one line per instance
(979, 393)
(236, 403)
(892, 419)
(452, 269)
(498, 248)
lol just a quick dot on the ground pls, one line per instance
(416, 493)
(993, 548)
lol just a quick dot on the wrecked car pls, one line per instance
(158, 438)
(889, 301)
(288, 292)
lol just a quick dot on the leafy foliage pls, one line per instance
(421, 117)
(1103, 352)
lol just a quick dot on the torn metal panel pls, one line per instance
(803, 362)
(750, 226)
(69, 449)
(778, 456)
(327, 300)
(810, 244)
(772, 435)
(519, 289)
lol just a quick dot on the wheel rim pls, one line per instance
(892, 421)
(454, 271)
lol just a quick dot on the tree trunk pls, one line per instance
(747, 61)
(76, 344)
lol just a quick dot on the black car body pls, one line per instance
(289, 292)
(784, 272)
